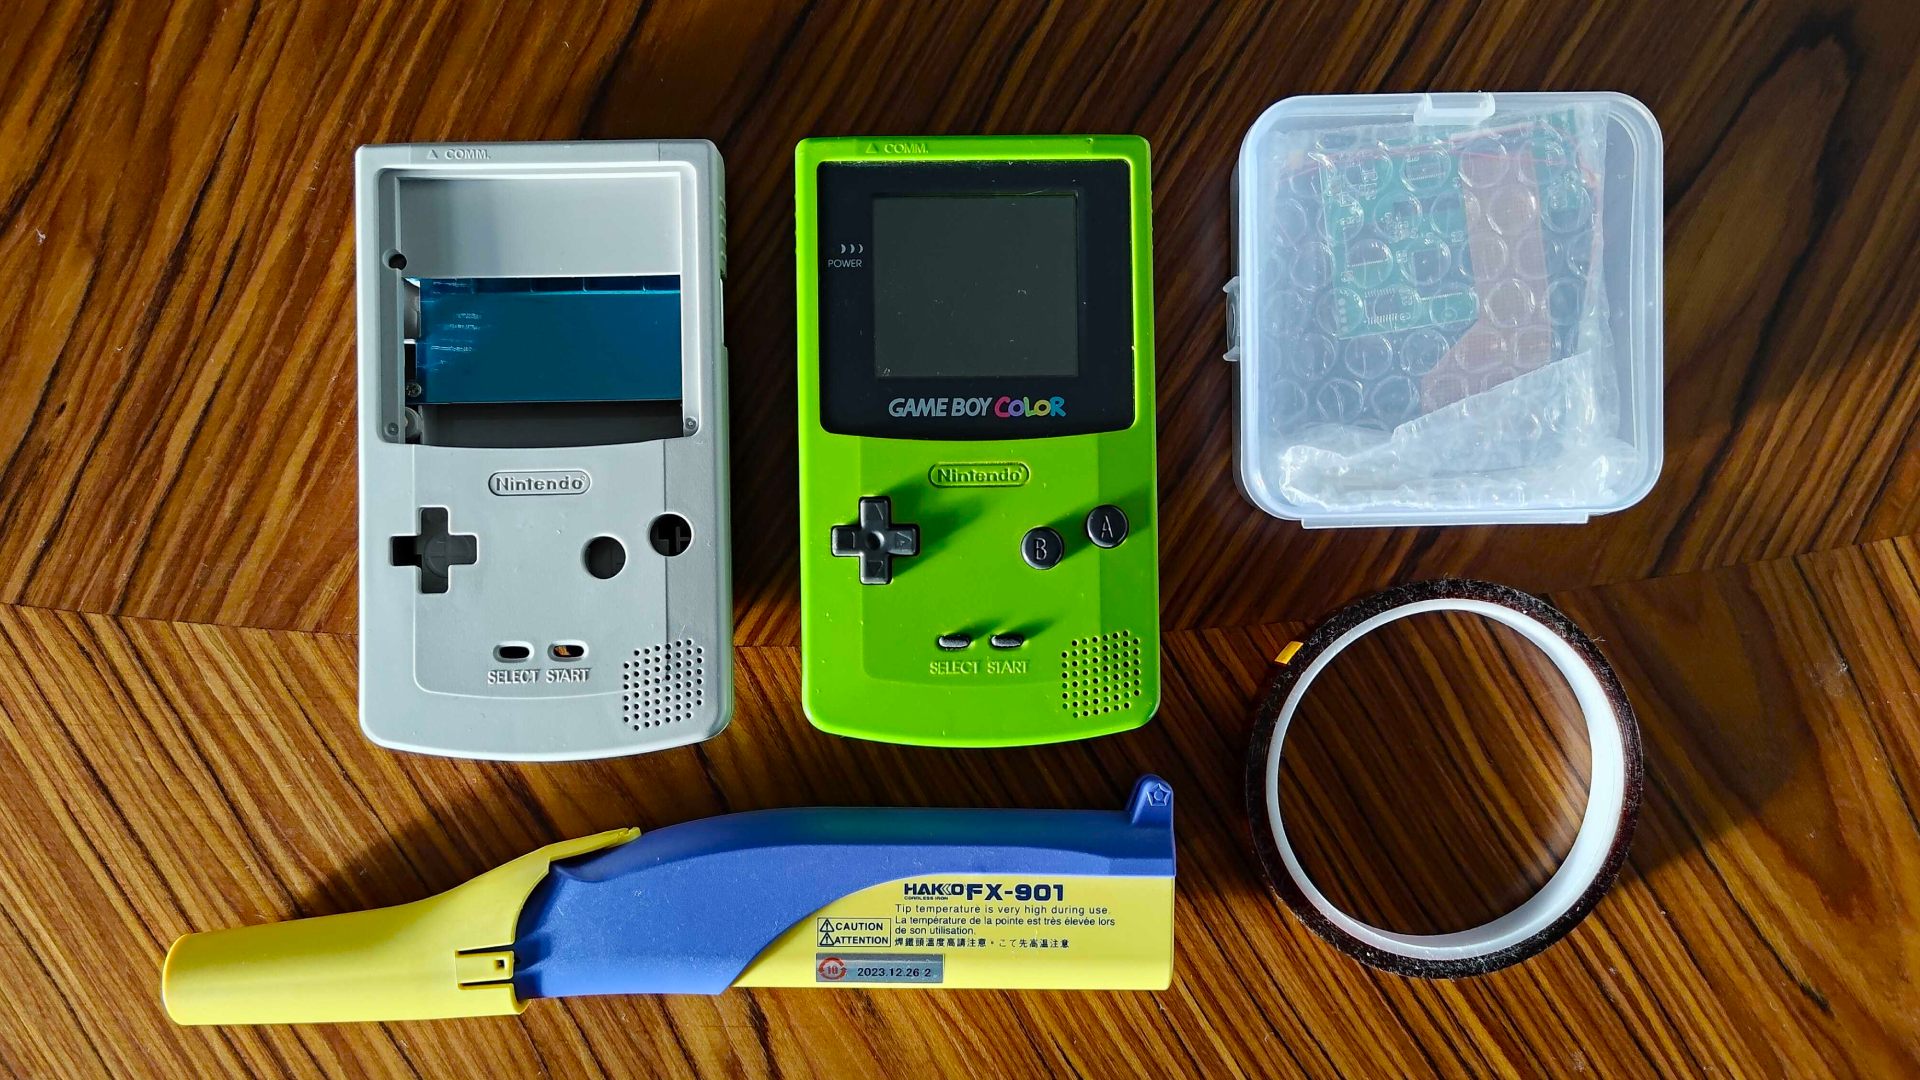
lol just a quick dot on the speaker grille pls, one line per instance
(1100, 674)
(663, 684)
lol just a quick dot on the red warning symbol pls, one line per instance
(831, 968)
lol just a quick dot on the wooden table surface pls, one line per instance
(177, 725)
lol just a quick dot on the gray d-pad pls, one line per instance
(435, 549)
(875, 540)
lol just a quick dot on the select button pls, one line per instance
(955, 642)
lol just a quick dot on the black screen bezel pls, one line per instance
(854, 397)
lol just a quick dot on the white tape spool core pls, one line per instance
(1585, 861)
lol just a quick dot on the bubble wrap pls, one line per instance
(1437, 309)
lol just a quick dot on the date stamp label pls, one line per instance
(879, 968)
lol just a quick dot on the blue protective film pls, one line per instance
(502, 340)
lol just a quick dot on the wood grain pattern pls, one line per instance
(176, 562)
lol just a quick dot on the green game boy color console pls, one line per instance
(979, 559)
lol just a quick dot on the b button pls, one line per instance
(1042, 548)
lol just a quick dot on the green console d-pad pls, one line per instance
(978, 519)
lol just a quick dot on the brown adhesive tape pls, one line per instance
(1599, 848)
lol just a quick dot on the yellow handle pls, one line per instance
(446, 955)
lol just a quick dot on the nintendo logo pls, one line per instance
(540, 482)
(950, 474)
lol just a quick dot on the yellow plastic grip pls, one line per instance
(446, 955)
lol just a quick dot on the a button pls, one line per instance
(1007, 641)
(1042, 548)
(875, 540)
(955, 642)
(1106, 526)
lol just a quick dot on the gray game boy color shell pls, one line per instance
(542, 579)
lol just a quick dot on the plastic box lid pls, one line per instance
(1447, 308)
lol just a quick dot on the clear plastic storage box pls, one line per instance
(1448, 308)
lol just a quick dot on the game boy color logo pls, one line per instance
(1007, 408)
